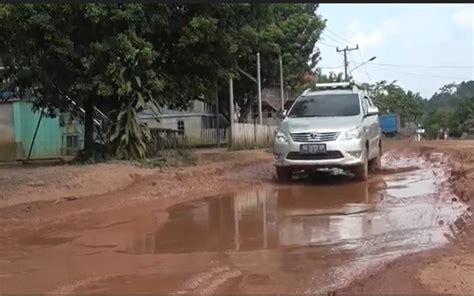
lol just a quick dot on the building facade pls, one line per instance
(55, 137)
(188, 122)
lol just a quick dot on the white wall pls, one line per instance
(192, 125)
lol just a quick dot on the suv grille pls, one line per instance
(319, 137)
(322, 156)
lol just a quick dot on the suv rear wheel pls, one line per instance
(283, 173)
(361, 172)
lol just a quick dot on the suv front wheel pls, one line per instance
(361, 172)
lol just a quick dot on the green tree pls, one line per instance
(289, 30)
(451, 107)
(390, 97)
(122, 56)
(81, 51)
(331, 77)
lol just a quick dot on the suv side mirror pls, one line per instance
(372, 111)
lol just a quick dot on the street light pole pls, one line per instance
(370, 60)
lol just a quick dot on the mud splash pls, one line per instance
(311, 237)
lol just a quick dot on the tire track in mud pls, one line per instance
(207, 282)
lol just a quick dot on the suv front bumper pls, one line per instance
(351, 154)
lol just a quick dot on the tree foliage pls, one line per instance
(289, 30)
(92, 53)
(121, 57)
(390, 97)
(452, 107)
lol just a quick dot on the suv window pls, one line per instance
(323, 105)
(370, 101)
(366, 104)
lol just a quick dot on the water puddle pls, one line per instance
(345, 215)
(333, 231)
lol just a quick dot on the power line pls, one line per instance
(350, 42)
(358, 69)
(416, 66)
(346, 63)
(326, 44)
(331, 67)
(339, 36)
(417, 74)
(392, 65)
(365, 70)
(335, 40)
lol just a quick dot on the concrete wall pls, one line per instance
(7, 134)
(48, 139)
(49, 142)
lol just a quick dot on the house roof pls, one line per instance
(271, 96)
(169, 113)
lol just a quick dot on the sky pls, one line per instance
(423, 46)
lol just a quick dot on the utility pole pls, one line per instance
(259, 83)
(282, 96)
(346, 63)
(231, 110)
(217, 118)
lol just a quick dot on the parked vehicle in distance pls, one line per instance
(333, 126)
(390, 124)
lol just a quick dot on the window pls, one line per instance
(180, 127)
(371, 104)
(326, 105)
(269, 114)
(365, 105)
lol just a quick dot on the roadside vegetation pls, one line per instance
(124, 58)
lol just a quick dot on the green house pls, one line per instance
(55, 137)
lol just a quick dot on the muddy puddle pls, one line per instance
(313, 236)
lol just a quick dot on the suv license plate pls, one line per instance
(313, 148)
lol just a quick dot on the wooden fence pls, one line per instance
(251, 136)
(209, 136)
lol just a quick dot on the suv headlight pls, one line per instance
(355, 133)
(280, 137)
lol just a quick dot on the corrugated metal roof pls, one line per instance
(173, 113)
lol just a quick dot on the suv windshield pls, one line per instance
(326, 105)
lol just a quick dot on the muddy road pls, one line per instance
(316, 235)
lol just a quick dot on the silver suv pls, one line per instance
(333, 126)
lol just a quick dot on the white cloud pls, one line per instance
(354, 26)
(371, 39)
(391, 25)
(375, 37)
(464, 18)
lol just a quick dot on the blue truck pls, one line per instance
(390, 124)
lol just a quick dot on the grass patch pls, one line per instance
(169, 158)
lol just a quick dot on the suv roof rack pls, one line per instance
(335, 85)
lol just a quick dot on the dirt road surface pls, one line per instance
(225, 226)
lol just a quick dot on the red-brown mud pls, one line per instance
(228, 227)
